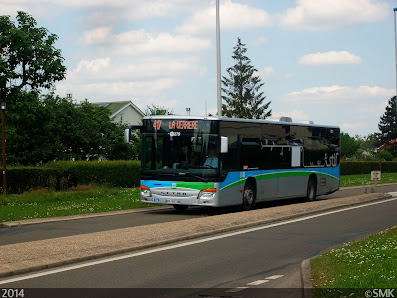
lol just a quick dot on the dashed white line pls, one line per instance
(258, 282)
(238, 289)
(274, 276)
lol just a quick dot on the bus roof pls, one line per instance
(227, 119)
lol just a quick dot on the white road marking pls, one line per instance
(238, 289)
(258, 282)
(188, 243)
(274, 276)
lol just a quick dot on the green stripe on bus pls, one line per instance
(195, 185)
(280, 175)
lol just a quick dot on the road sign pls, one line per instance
(375, 175)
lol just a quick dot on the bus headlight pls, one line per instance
(145, 191)
(208, 193)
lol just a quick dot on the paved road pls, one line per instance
(263, 258)
(97, 224)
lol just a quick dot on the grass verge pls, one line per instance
(44, 203)
(365, 179)
(369, 263)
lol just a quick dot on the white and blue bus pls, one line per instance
(217, 161)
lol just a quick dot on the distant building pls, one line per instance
(123, 112)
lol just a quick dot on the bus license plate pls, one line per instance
(173, 201)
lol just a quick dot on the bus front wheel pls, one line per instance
(180, 207)
(248, 197)
(311, 190)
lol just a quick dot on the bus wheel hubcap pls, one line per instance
(249, 196)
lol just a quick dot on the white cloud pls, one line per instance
(102, 90)
(313, 15)
(269, 72)
(266, 72)
(259, 41)
(336, 94)
(139, 41)
(233, 16)
(109, 11)
(351, 126)
(93, 66)
(296, 115)
(329, 58)
(10, 8)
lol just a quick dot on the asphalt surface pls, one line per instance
(98, 224)
(236, 263)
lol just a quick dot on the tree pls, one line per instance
(46, 128)
(349, 145)
(242, 89)
(157, 110)
(388, 125)
(28, 57)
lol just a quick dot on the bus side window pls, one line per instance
(230, 159)
(251, 153)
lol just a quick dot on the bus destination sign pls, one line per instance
(175, 124)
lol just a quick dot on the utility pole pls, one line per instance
(3, 130)
(395, 47)
(218, 59)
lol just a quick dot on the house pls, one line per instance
(124, 112)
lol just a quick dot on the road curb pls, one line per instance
(49, 264)
(306, 277)
(366, 186)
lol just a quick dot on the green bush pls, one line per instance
(365, 167)
(20, 179)
(62, 175)
(111, 173)
(386, 155)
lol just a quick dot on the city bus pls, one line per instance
(219, 161)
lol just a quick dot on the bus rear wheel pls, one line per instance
(248, 197)
(311, 190)
(180, 207)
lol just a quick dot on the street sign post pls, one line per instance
(375, 175)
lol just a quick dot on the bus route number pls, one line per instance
(157, 124)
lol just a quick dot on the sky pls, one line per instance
(327, 61)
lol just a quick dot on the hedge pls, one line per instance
(365, 167)
(113, 173)
(20, 179)
(61, 175)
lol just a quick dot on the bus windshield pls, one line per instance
(189, 155)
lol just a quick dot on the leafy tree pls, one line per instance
(48, 128)
(28, 57)
(157, 110)
(388, 125)
(242, 89)
(28, 130)
(349, 145)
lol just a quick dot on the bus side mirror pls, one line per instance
(224, 144)
(127, 135)
(129, 129)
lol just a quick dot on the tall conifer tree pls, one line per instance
(388, 125)
(241, 89)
